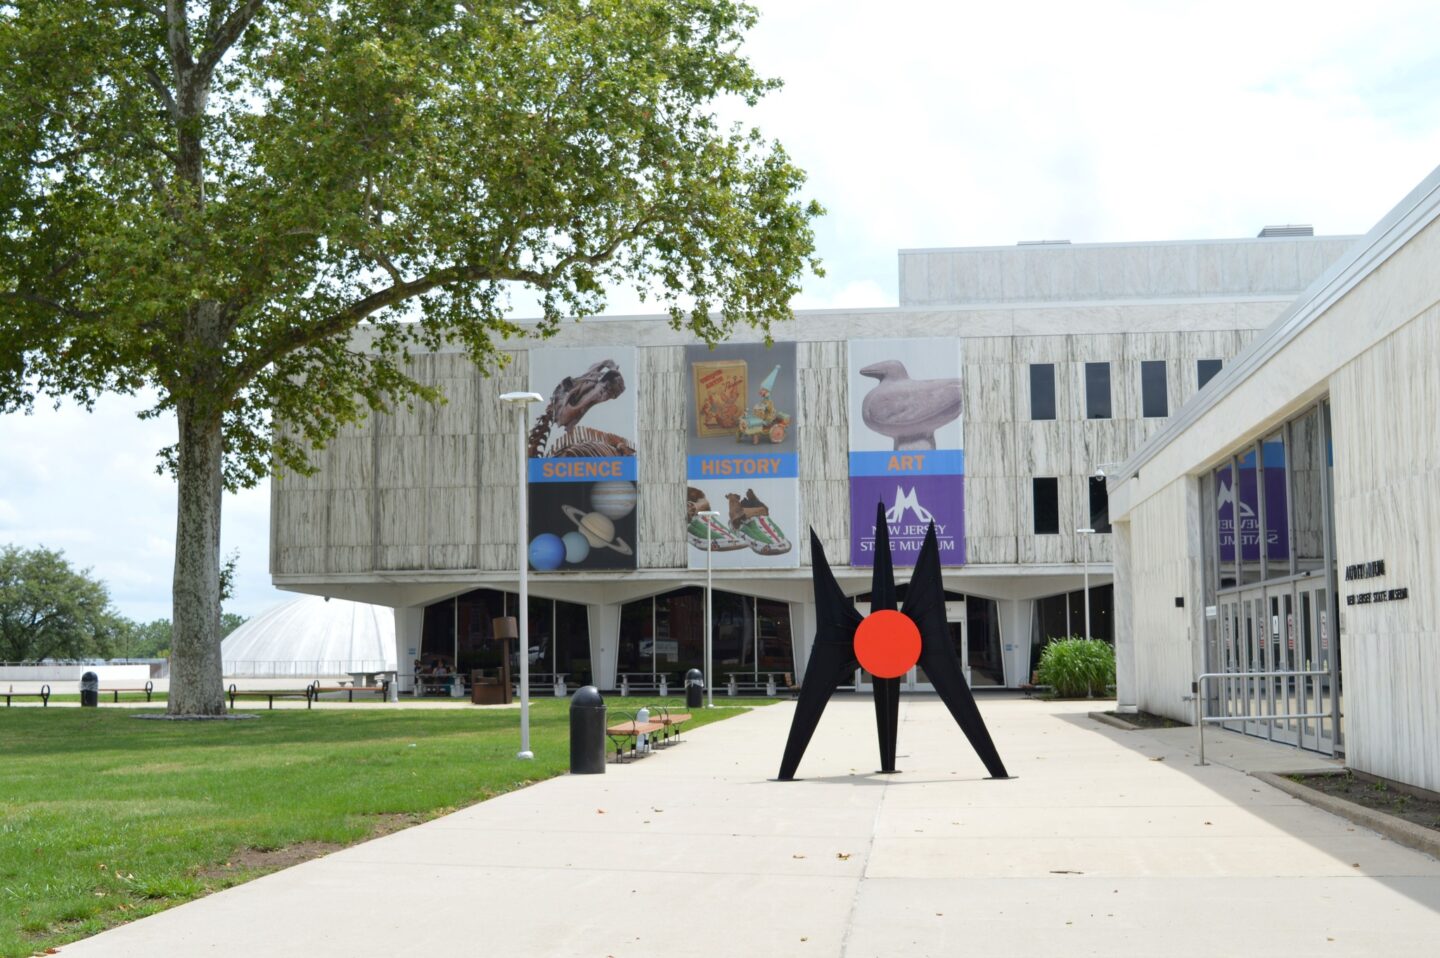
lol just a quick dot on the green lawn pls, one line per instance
(105, 818)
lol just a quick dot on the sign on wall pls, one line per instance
(742, 460)
(907, 446)
(1238, 514)
(582, 459)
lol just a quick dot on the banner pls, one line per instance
(582, 459)
(742, 460)
(1238, 516)
(907, 447)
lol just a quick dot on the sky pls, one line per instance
(921, 125)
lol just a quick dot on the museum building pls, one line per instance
(994, 401)
(1286, 521)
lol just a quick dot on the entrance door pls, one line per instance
(915, 680)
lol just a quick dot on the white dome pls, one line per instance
(311, 636)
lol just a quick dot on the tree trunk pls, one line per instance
(196, 680)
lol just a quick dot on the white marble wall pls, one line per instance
(1386, 427)
(1164, 562)
(1114, 271)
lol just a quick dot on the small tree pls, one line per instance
(48, 610)
(207, 199)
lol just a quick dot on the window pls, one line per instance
(1097, 390)
(1154, 401)
(1042, 390)
(1099, 504)
(1047, 506)
(1206, 369)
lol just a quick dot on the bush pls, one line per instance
(1074, 667)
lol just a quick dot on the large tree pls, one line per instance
(205, 199)
(49, 610)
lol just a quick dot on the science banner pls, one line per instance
(742, 460)
(582, 454)
(907, 447)
(1238, 516)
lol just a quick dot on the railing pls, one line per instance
(1201, 718)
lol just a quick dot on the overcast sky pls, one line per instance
(924, 124)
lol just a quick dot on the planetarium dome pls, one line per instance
(310, 636)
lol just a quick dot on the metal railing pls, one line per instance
(1201, 718)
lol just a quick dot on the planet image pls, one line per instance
(547, 551)
(614, 499)
(577, 547)
(598, 530)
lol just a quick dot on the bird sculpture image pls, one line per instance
(909, 410)
(887, 643)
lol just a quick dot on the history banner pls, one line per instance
(742, 460)
(907, 447)
(582, 459)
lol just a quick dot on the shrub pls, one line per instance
(1074, 667)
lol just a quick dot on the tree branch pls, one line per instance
(158, 85)
(178, 34)
(220, 38)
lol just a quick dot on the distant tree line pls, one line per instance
(50, 610)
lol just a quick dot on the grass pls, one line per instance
(104, 819)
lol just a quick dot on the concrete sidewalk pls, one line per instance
(1108, 843)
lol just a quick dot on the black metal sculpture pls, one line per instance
(885, 643)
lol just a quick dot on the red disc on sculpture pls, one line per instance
(887, 644)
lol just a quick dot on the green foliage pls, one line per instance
(104, 819)
(211, 200)
(48, 610)
(1075, 667)
(257, 209)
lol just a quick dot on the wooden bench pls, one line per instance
(672, 721)
(307, 693)
(383, 690)
(149, 691)
(629, 732)
(43, 695)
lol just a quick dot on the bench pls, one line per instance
(383, 690)
(307, 693)
(43, 695)
(651, 683)
(115, 691)
(624, 733)
(672, 721)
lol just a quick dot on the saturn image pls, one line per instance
(598, 529)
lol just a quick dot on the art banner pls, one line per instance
(907, 447)
(742, 460)
(582, 453)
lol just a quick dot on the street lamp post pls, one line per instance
(710, 515)
(521, 400)
(1086, 558)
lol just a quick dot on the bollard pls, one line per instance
(89, 690)
(587, 732)
(694, 689)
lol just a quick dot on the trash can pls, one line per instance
(89, 690)
(587, 732)
(694, 689)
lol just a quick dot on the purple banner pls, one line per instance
(1247, 505)
(911, 502)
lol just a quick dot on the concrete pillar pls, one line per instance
(1015, 615)
(604, 642)
(409, 625)
(1123, 623)
(802, 634)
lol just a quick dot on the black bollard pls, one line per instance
(587, 732)
(694, 689)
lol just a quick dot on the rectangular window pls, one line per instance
(1099, 504)
(1042, 390)
(1207, 368)
(1097, 390)
(1154, 401)
(1047, 506)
